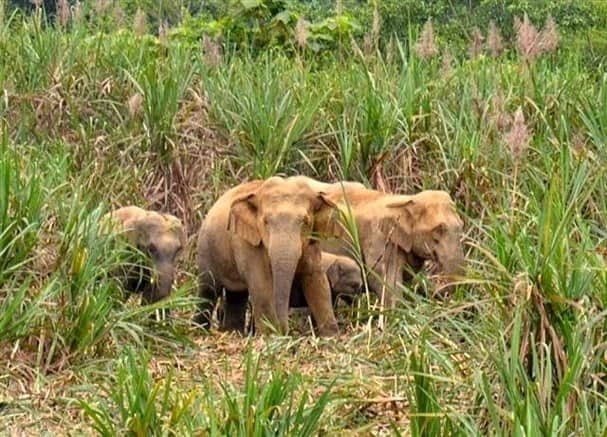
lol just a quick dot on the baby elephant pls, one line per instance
(159, 236)
(344, 275)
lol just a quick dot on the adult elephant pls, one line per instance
(396, 233)
(257, 238)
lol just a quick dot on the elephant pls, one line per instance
(397, 233)
(345, 280)
(344, 275)
(256, 239)
(159, 236)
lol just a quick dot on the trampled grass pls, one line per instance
(517, 349)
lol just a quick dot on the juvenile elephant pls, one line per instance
(160, 236)
(397, 233)
(344, 276)
(257, 238)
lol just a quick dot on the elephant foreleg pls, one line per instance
(261, 294)
(318, 296)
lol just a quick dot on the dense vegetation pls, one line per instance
(97, 112)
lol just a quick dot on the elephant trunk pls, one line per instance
(285, 253)
(450, 268)
(453, 264)
(163, 282)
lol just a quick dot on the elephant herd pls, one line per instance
(287, 242)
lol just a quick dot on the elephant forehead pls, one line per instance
(288, 197)
(153, 224)
(169, 242)
(433, 196)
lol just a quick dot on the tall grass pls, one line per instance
(268, 106)
(259, 408)
(162, 85)
(517, 349)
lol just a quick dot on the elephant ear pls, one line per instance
(243, 219)
(322, 209)
(399, 228)
(323, 203)
(137, 230)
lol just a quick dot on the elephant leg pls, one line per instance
(207, 292)
(235, 311)
(318, 296)
(261, 295)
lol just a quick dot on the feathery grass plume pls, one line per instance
(135, 104)
(163, 37)
(499, 115)
(517, 23)
(476, 44)
(367, 44)
(376, 28)
(519, 136)
(495, 42)
(118, 14)
(140, 22)
(339, 7)
(527, 39)
(77, 13)
(549, 38)
(356, 48)
(302, 33)
(426, 45)
(390, 51)
(63, 13)
(101, 6)
(447, 64)
(578, 144)
(211, 50)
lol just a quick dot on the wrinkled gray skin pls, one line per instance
(159, 236)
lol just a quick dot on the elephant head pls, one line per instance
(280, 216)
(161, 237)
(426, 227)
(343, 273)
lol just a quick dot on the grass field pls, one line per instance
(95, 120)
